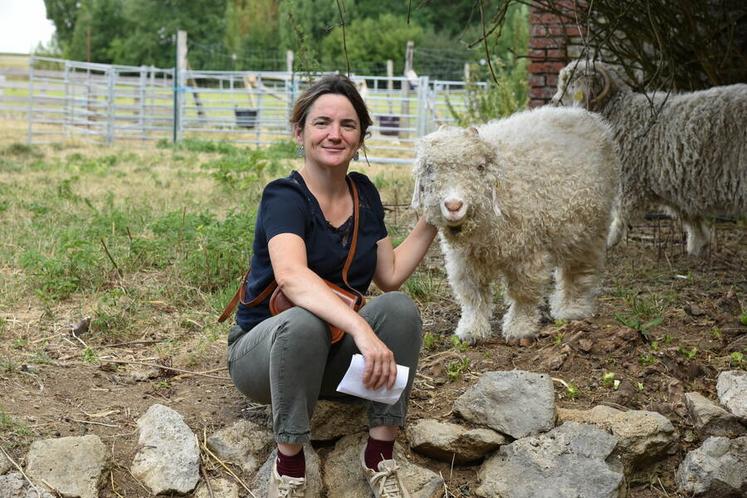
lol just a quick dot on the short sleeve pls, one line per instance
(283, 209)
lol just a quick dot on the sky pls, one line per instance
(23, 24)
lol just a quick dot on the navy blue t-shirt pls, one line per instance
(287, 206)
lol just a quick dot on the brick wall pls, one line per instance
(553, 40)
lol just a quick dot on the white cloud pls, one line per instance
(23, 24)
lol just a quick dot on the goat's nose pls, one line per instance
(453, 205)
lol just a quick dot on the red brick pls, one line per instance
(572, 31)
(533, 103)
(556, 54)
(538, 30)
(551, 80)
(545, 43)
(544, 92)
(536, 80)
(537, 54)
(545, 67)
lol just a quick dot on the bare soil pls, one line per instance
(690, 306)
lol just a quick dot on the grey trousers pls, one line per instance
(288, 361)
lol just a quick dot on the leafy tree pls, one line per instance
(373, 42)
(98, 23)
(63, 14)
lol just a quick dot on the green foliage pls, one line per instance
(572, 391)
(743, 318)
(647, 359)
(608, 379)
(370, 42)
(459, 344)
(737, 359)
(9, 424)
(455, 369)
(688, 353)
(430, 341)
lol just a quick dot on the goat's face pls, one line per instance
(455, 178)
(584, 84)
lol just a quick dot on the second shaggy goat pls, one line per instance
(515, 199)
(686, 152)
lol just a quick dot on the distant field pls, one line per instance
(14, 60)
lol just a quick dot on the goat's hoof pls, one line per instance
(521, 342)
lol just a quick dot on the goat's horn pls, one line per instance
(606, 88)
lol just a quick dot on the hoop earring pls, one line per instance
(299, 151)
(356, 156)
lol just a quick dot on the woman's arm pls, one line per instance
(306, 289)
(394, 266)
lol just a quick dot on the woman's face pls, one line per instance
(332, 132)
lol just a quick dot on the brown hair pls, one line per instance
(336, 84)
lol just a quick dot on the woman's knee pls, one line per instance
(396, 317)
(302, 330)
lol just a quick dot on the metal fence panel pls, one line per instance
(65, 99)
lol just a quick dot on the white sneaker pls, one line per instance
(385, 483)
(284, 486)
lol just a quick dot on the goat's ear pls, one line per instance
(473, 131)
(415, 202)
(496, 203)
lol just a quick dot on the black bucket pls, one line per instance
(389, 125)
(246, 118)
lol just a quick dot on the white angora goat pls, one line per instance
(692, 159)
(515, 198)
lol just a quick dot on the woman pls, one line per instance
(303, 235)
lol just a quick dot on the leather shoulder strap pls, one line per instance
(354, 236)
(240, 294)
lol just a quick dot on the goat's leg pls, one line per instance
(576, 285)
(471, 288)
(525, 286)
(699, 234)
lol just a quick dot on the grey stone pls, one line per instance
(168, 458)
(452, 442)
(13, 485)
(333, 420)
(516, 403)
(642, 435)
(221, 488)
(718, 469)
(72, 466)
(344, 476)
(313, 473)
(732, 391)
(244, 443)
(710, 419)
(568, 462)
(5, 464)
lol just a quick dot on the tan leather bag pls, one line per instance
(279, 302)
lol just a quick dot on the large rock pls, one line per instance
(244, 443)
(710, 419)
(313, 473)
(732, 391)
(333, 420)
(516, 403)
(568, 462)
(168, 459)
(72, 466)
(220, 488)
(452, 442)
(718, 469)
(344, 477)
(642, 435)
(13, 485)
(5, 464)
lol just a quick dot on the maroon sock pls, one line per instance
(376, 451)
(292, 466)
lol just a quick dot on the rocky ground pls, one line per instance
(666, 327)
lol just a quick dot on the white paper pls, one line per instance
(352, 383)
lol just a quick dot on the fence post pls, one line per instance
(110, 76)
(423, 117)
(67, 117)
(141, 96)
(30, 137)
(179, 66)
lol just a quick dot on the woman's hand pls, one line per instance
(380, 368)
